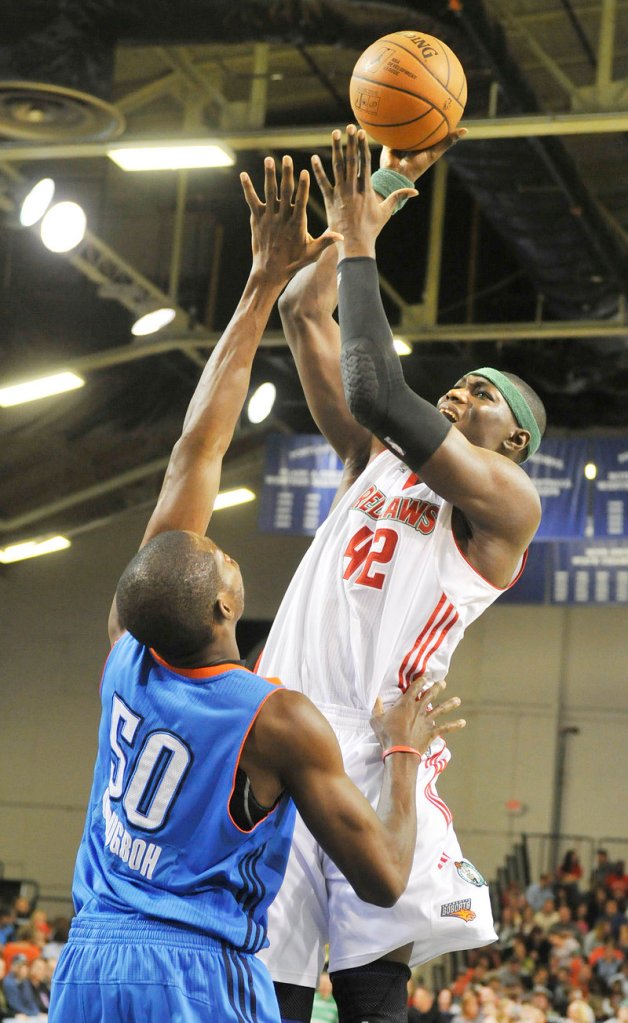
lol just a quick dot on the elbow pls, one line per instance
(382, 891)
(361, 386)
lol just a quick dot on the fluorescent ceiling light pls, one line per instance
(229, 498)
(590, 470)
(151, 322)
(32, 549)
(261, 403)
(32, 390)
(37, 202)
(402, 347)
(164, 157)
(63, 226)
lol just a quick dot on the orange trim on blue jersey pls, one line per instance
(208, 672)
(500, 589)
(233, 783)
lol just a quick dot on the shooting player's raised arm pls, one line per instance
(281, 246)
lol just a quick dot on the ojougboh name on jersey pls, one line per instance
(138, 854)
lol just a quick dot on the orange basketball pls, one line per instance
(408, 90)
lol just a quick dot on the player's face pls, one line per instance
(476, 408)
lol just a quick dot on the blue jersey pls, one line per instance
(159, 839)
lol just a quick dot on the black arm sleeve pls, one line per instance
(375, 389)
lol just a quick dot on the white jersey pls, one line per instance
(382, 597)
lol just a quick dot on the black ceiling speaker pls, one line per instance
(56, 71)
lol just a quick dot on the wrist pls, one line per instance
(354, 247)
(266, 283)
(386, 181)
(401, 749)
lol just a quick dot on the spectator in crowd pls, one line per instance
(18, 992)
(60, 929)
(22, 909)
(539, 891)
(507, 928)
(470, 1008)
(542, 999)
(7, 924)
(445, 1004)
(39, 984)
(5, 1012)
(596, 938)
(579, 1011)
(615, 916)
(602, 870)
(27, 942)
(547, 915)
(606, 964)
(423, 1006)
(324, 1009)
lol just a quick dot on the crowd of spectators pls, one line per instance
(561, 955)
(29, 949)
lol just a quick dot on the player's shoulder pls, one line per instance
(291, 719)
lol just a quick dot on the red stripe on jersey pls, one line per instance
(438, 763)
(437, 641)
(403, 682)
(411, 481)
(427, 642)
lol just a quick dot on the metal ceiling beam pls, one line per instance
(534, 331)
(318, 137)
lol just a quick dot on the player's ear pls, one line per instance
(516, 442)
(224, 608)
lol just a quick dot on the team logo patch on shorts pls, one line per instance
(461, 908)
(469, 873)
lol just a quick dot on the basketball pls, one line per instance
(408, 90)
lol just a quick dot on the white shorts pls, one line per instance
(445, 907)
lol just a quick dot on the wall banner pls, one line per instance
(301, 476)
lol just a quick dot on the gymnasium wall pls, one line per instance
(520, 671)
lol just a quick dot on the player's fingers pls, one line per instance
(318, 245)
(364, 153)
(337, 159)
(322, 180)
(351, 155)
(270, 182)
(302, 194)
(390, 204)
(449, 726)
(286, 187)
(425, 696)
(446, 707)
(254, 202)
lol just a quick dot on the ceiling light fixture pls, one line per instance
(44, 387)
(171, 157)
(36, 202)
(32, 549)
(402, 347)
(151, 322)
(63, 226)
(261, 403)
(229, 498)
(590, 470)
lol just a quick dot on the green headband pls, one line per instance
(516, 402)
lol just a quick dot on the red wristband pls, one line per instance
(400, 749)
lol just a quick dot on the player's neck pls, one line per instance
(223, 649)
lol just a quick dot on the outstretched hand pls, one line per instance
(279, 236)
(413, 164)
(353, 209)
(414, 719)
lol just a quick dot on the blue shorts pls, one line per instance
(116, 970)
